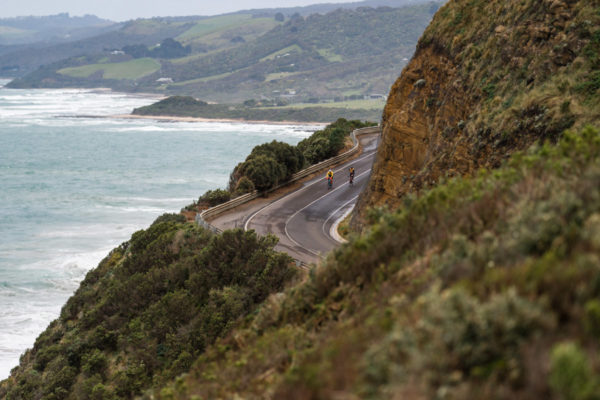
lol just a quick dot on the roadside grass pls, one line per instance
(133, 69)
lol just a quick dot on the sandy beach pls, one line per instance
(197, 119)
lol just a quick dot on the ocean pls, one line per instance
(74, 184)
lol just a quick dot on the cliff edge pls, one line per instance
(487, 78)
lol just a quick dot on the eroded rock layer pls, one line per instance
(477, 89)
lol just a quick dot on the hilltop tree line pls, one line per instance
(168, 48)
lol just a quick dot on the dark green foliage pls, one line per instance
(287, 155)
(173, 105)
(264, 171)
(268, 165)
(328, 142)
(177, 218)
(214, 197)
(168, 48)
(571, 376)
(156, 303)
(592, 318)
(244, 185)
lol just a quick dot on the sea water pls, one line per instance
(75, 184)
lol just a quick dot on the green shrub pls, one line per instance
(592, 318)
(244, 185)
(328, 142)
(215, 197)
(570, 373)
(93, 363)
(264, 171)
(170, 217)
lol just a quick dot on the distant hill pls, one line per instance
(236, 57)
(48, 29)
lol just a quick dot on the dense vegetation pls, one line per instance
(251, 55)
(482, 287)
(148, 311)
(186, 106)
(271, 164)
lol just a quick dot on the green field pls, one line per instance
(209, 25)
(200, 80)
(329, 55)
(283, 51)
(279, 75)
(148, 26)
(371, 104)
(133, 69)
(10, 33)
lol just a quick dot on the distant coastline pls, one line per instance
(216, 120)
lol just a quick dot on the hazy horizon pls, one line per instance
(119, 10)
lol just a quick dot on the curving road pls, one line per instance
(303, 219)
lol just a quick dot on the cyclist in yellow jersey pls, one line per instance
(329, 179)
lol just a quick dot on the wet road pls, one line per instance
(303, 219)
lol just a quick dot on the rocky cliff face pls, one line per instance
(479, 88)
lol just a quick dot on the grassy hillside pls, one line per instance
(133, 69)
(237, 57)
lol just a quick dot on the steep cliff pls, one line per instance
(488, 78)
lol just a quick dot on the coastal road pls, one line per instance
(303, 219)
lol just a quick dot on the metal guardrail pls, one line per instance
(201, 218)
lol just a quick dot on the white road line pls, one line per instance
(310, 204)
(297, 191)
(337, 237)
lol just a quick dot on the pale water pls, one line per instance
(72, 188)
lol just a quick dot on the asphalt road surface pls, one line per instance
(303, 219)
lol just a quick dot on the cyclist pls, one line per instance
(329, 179)
(351, 173)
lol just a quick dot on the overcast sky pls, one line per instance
(121, 10)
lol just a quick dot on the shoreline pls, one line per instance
(173, 118)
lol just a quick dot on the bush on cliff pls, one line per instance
(148, 311)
